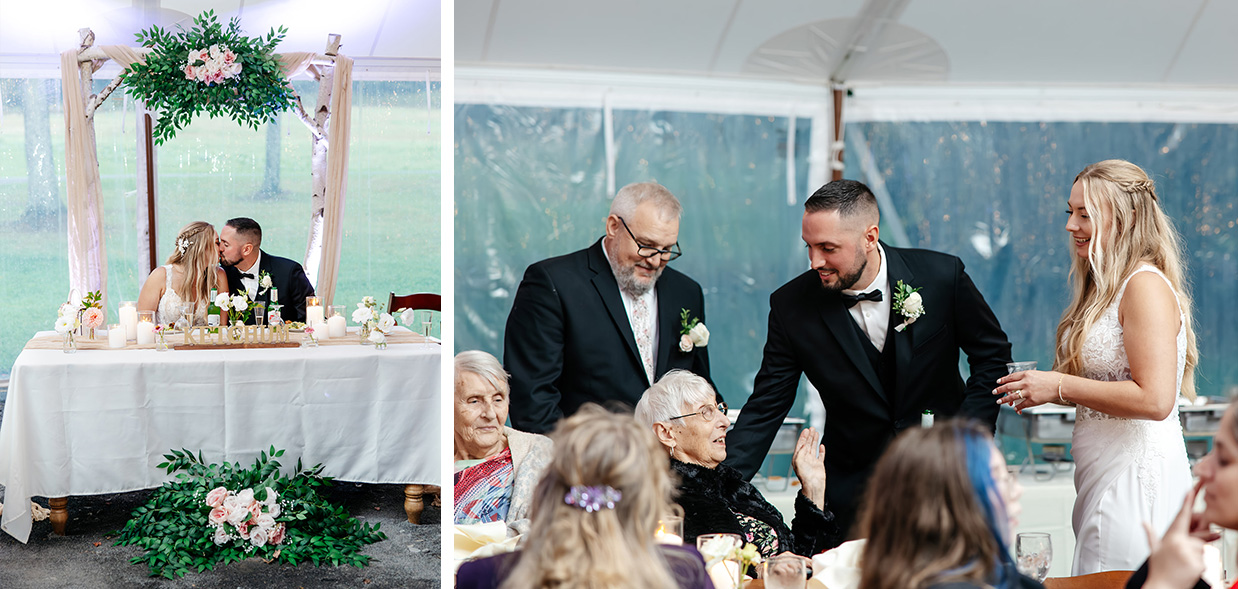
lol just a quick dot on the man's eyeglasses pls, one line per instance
(647, 251)
(707, 412)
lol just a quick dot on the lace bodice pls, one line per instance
(170, 303)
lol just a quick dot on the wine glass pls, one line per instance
(1034, 553)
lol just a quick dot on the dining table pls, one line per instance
(100, 420)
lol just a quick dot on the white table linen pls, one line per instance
(100, 421)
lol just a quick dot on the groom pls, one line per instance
(245, 264)
(877, 369)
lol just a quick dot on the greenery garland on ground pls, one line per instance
(183, 77)
(175, 527)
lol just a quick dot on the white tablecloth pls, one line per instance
(98, 421)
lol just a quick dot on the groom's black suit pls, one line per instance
(287, 276)
(569, 341)
(872, 395)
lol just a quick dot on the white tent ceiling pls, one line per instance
(378, 34)
(1147, 43)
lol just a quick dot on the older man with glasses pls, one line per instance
(602, 324)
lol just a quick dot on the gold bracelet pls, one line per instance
(1059, 390)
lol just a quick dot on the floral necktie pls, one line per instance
(644, 335)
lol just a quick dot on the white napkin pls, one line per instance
(838, 568)
(481, 540)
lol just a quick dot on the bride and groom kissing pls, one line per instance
(231, 261)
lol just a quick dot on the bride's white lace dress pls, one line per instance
(170, 303)
(1127, 470)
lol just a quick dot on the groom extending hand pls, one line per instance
(878, 366)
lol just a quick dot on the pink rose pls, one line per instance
(258, 536)
(218, 515)
(685, 343)
(236, 515)
(220, 537)
(190, 72)
(229, 56)
(243, 528)
(277, 534)
(255, 510)
(216, 497)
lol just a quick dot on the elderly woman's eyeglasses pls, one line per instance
(707, 412)
(648, 251)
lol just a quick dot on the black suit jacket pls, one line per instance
(811, 332)
(287, 276)
(569, 342)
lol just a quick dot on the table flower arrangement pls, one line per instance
(66, 323)
(375, 324)
(237, 305)
(88, 309)
(219, 513)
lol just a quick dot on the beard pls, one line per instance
(845, 280)
(225, 262)
(629, 282)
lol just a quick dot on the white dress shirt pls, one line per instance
(873, 317)
(251, 284)
(651, 297)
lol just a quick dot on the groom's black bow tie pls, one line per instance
(248, 275)
(851, 300)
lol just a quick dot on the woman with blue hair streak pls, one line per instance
(940, 512)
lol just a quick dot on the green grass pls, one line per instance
(212, 171)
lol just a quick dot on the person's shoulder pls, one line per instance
(534, 442)
(564, 261)
(917, 257)
(281, 261)
(806, 282)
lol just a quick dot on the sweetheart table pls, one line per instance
(99, 420)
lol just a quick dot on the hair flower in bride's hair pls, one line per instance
(182, 245)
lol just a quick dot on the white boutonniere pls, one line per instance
(692, 332)
(908, 304)
(264, 281)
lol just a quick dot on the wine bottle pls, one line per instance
(212, 310)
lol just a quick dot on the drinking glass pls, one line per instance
(784, 572)
(1034, 554)
(721, 553)
(427, 323)
(260, 313)
(1013, 367)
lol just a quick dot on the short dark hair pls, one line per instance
(247, 228)
(848, 197)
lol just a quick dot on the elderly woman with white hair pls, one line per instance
(497, 467)
(683, 411)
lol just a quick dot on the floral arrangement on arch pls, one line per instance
(209, 68)
(214, 514)
(373, 321)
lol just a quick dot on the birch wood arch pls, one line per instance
(329, 123)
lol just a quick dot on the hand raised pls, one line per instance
(809, 464)
(1178, 558)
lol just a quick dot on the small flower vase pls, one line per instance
(365, 334)
(70, 343)
(161, 343)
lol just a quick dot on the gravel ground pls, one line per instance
(86, 557)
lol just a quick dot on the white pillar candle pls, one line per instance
(116, 336)
(320, 330)
(314, 315)
(336, 326)
(129, 319)
(146, 332)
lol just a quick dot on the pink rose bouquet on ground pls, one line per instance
(241, 516)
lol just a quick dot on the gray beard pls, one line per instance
(628, 283)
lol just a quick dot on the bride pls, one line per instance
(1125, 350)
(191, 272)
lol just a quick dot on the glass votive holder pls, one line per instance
(146, 327)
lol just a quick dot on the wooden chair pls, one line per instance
(414, 502)
(1105, 580)
(421, 301)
